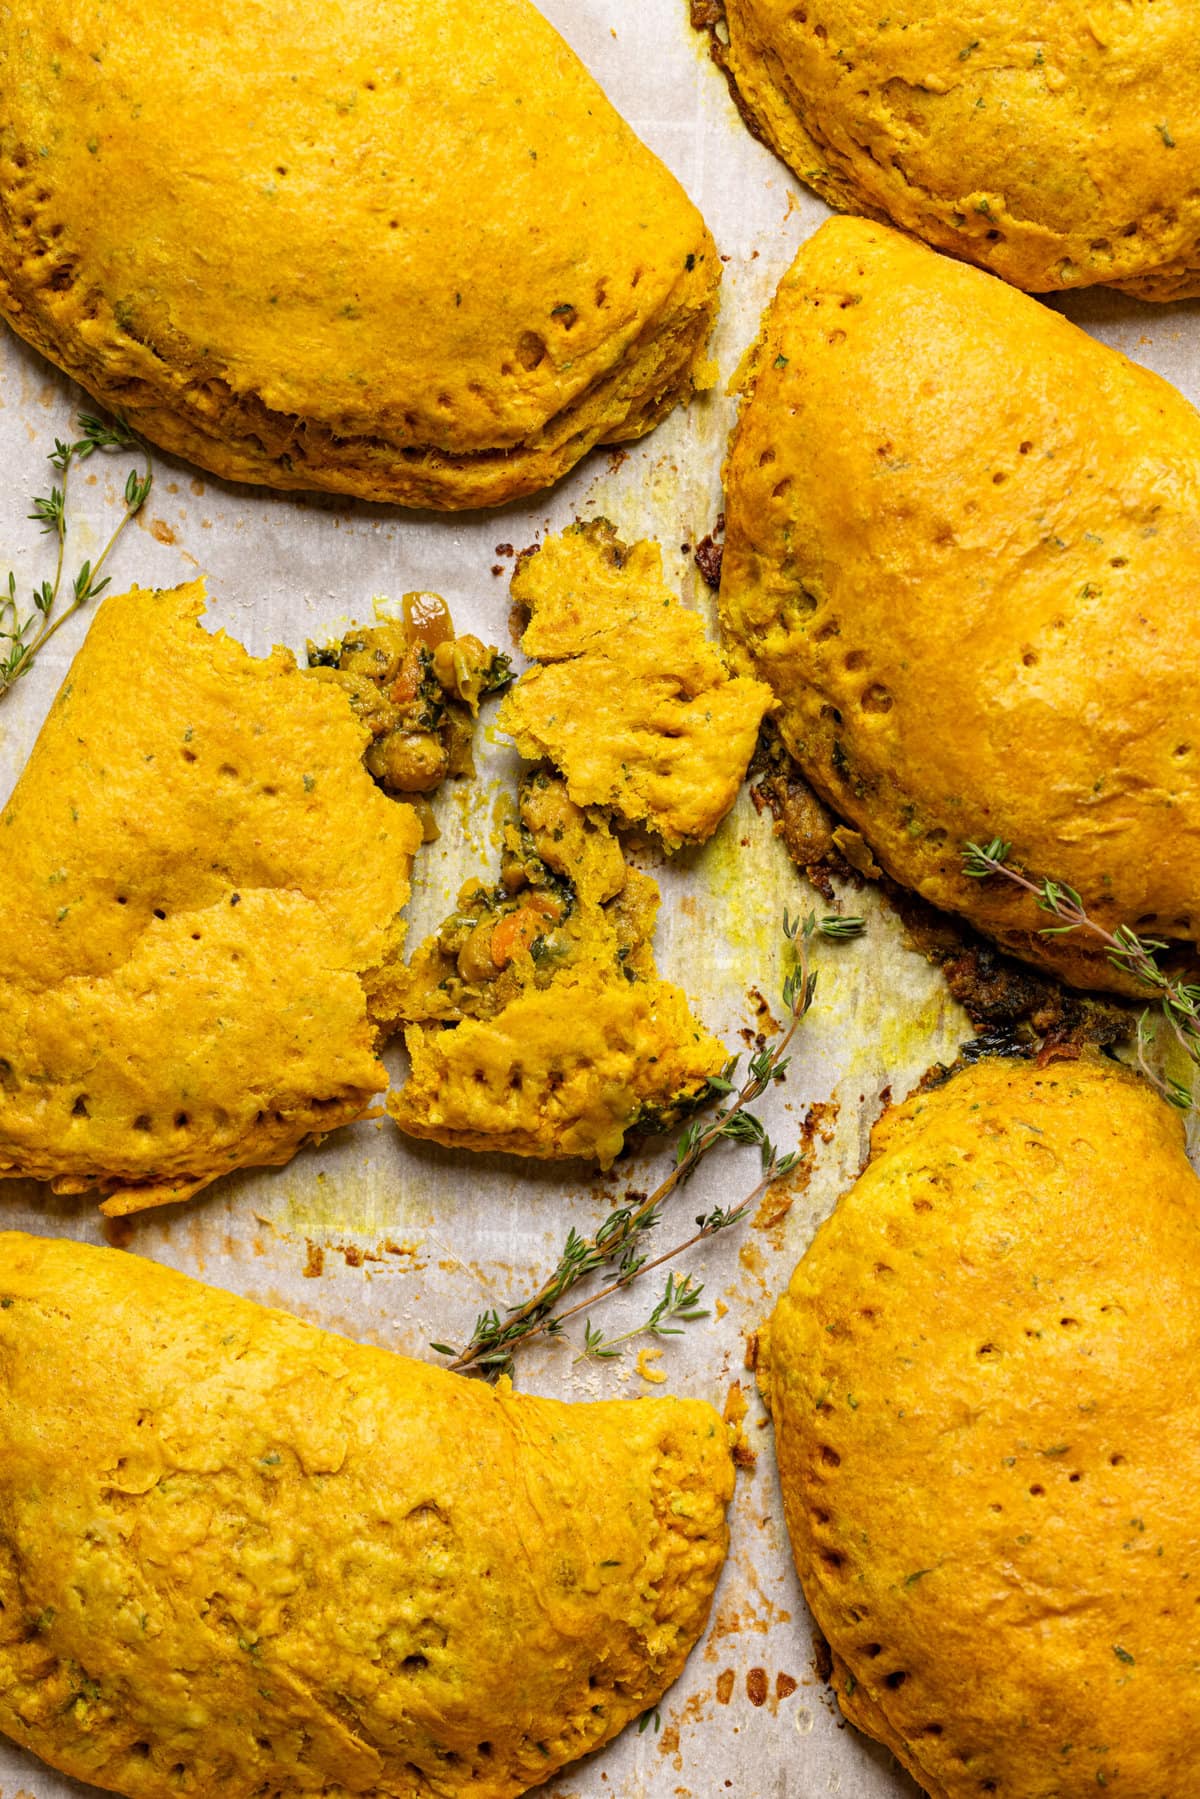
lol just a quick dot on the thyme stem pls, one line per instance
(708, 1228)
(61, 532)
(680, 1300)
(1179, 1000)
(616, 1242)
(50, 511)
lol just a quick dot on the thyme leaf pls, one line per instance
(23, 634)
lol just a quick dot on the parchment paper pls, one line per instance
(413, 1241)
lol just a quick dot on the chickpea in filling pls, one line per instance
(417, 687)
(564, 895)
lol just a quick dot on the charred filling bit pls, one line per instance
(417, 688)
(1012, 1008)
(801, 819)
(565, 895)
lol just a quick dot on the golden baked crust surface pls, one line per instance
(200, 885)
(408, 252)
(983, 1383)
(628, 697)
(240, 1555)
(1055, 145)
(963, 547)
(564, 1071)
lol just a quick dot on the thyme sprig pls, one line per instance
(1179, 1001)
(22, 636)
(618, 1242)
(680, 1301)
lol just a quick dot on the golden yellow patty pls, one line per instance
(403, 251)
(964, 549)
(200, 892)
(241, 1556)
(1056, 145)
(983, 1383)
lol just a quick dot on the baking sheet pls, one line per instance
(397, 1242)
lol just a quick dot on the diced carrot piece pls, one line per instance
(514, 933)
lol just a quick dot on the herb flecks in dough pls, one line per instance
(982, 1380)
(379, 1579)
(409, 253)
(200, 892)
(973, 141)
(973, 620)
